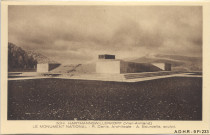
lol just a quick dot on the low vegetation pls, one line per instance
(62, 99)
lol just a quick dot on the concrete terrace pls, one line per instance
(128, 77)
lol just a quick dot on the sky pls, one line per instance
(77, 34)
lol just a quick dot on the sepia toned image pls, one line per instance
(104, 62)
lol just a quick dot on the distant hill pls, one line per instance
(179, 63)
(20, 59)
(40, 58)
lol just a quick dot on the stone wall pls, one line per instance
(108, 66)
(46, 67)
(43, 67)
(119, 66)
(167, 67)
(131, 67)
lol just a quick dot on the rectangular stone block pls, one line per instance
(108, 67)
(43, 67)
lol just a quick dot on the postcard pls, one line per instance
(105, 67)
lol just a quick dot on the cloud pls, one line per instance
(80, 33)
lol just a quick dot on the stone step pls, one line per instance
(105, 77)
(143, 75)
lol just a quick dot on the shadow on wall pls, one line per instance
(167, 67)
(131, 67)
(53, 66)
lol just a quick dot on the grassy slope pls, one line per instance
(57, 99)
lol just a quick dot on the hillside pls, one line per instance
(40, 58)
(178, 62)
(19, 59)
(24, 60)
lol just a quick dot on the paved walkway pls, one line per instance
(27, 78)
(108, 77)
(159, 77)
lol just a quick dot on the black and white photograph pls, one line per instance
(105, 62)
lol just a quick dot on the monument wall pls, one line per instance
(167, 67)
(108, 66)
(119, 66)
(43, 67)
(46, 67)
(132, 67)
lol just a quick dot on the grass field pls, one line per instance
(177, 98)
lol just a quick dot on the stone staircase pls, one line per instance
(103, 77)
(146, 74)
